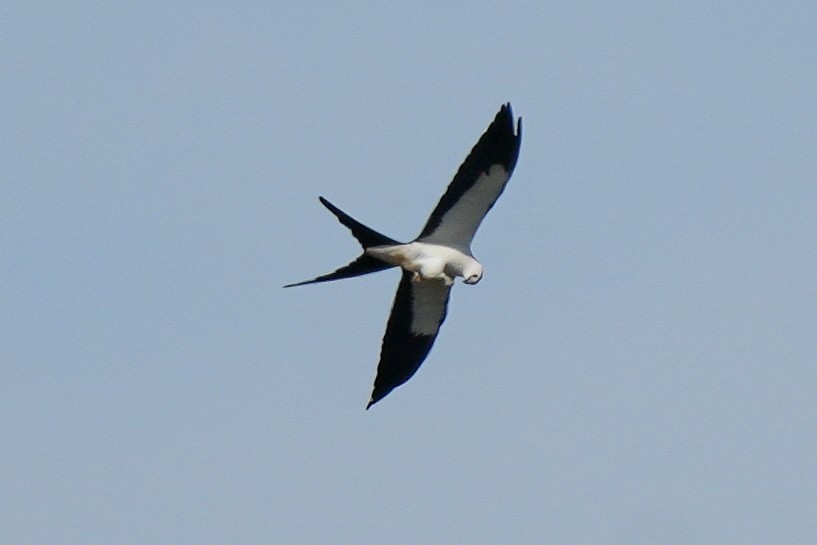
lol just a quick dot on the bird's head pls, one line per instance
(472, 274)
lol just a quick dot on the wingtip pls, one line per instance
(507, 107)
(507, 111)
(372, 401)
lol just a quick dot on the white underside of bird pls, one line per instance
(430, 262)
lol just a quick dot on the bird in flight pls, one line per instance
(432, 261)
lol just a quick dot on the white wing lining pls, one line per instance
(429, 300)
(459, 224)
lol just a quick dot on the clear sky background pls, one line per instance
(638, 365)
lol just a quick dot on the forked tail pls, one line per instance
(367, 238)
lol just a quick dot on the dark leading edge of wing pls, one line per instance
(499, 145)
(416, 316)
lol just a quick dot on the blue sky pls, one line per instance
(637, 365)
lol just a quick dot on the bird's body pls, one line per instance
(441, 253)
(430, 261)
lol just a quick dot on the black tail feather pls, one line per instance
(364, 264)
(366, 236)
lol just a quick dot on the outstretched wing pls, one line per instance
(477, 185)
(416, 316)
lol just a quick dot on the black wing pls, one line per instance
(416, 316)
(477, 185)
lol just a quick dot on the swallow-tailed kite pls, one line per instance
(431, 261)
